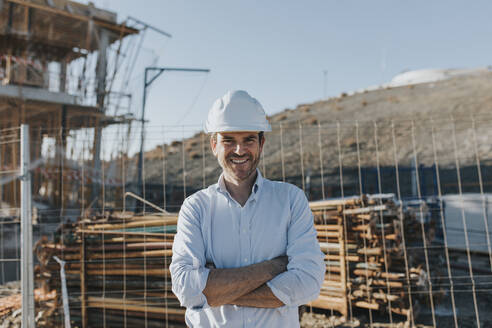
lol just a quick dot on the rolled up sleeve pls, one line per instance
(302, 281)
(188, 272)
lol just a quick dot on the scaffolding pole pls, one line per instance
(27, 275)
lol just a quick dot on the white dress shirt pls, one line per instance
(213, 227)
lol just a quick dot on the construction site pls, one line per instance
(398, 178)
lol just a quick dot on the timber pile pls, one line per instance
(116, 270)
(117, 264)
(11, 304)
(363, 239)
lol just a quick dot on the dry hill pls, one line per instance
(446, 123)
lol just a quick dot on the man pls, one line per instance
(246, 253)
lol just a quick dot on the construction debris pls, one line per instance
(11, 303)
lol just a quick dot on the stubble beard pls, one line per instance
(232, 173)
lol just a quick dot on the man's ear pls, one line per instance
(213, 145)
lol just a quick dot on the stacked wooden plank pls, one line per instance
(116, 269)
(117, 265)
(331, 238)
(368, 264)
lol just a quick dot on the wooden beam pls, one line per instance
(33, 112)
(112, 27)
(130, 272)
(129, 233)
(160, 222)
(329, 302)
(119, 304)
(120, 255)
(4, 107)
(343, 269)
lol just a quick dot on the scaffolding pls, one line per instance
(58, 63)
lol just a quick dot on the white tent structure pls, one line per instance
(432, 75)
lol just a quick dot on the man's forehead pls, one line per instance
(238, 135)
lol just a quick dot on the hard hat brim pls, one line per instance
(242, 128)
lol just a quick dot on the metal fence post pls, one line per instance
(27, 275)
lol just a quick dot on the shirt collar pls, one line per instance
(255, 189)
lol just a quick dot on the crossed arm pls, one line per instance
(245, 286)
(195, 284)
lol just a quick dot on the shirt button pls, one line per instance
(244, 230)
(245, 260)
(249, 320)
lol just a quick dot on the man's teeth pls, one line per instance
(238, 161)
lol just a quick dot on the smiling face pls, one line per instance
(238, 154)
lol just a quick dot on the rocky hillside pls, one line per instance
(445, 123)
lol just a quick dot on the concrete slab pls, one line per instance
(37, 94)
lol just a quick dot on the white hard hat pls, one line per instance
(236, 111)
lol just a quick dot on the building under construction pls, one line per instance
(397, 253)
(48, 83)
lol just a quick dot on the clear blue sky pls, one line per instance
(278, 50)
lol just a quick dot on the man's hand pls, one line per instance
(261, 297)
(224, 286)
(278, 265)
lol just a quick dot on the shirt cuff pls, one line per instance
(281, 296)
(199, 301)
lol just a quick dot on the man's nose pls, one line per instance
(239, 149)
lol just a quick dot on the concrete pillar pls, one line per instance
(63, 76)
(101, 71)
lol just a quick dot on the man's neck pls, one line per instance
(240, 190)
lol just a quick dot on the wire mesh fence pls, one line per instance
(401, 208)
(10, 252)
(9, 190)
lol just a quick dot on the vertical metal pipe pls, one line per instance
(142, 135)
(301, 154)
(282, 152)
(183, 161)
(27, 276)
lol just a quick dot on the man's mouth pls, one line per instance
(239, 161)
